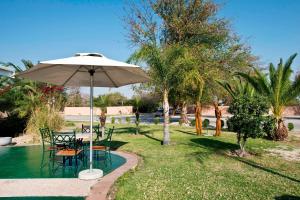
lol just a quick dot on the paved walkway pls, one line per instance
(94, 189)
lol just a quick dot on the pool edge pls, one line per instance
(101, 189)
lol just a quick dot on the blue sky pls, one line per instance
(49, 29)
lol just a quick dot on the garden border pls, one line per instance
(102, 188)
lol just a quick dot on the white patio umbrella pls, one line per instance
(87, 69)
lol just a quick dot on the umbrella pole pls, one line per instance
(91, 174)
(92, 71)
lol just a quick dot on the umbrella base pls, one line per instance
(90, 174)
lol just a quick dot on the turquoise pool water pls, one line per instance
(30, 162)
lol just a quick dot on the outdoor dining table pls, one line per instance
(66, 139)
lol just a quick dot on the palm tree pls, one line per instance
(279, 89)
(161, 62)
(237, 87)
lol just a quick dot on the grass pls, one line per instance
(195, 167)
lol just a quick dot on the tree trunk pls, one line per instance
(166, 140)
(281, 131)
(198, 118)
(218, 115)
(184, 118)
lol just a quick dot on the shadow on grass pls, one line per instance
(128, 130)
(217, 146)
(210, 146)
(269, 170)
(186, 132)
(214, 144)
(287, 197)
(132, 130)
(117, 144)
(149, 134)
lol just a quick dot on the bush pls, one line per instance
(222, 123)
(269, 126)
(113, 120)
(68, 123)
(290, 126)
(156, 120)
(128, 120)
(248, 119)
(229, 124)
(205, 123)
(120, 120)
(193, 122)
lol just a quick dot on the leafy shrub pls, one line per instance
(205, 123)
(120, 120)
(290, 126)
(69, 123)
(247, 119)
(229, 124)
(222, 123)
(128, 120)
(193, 122)
(113, 120)
(269, 126)
(156, 120)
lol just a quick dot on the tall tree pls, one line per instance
(161, 61)
(279, 89)
(192, 25)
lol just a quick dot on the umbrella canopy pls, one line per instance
(74, 71)
(87, 69)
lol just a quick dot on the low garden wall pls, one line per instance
(113, 110)
(210, 110)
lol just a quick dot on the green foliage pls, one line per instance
(237, 87)
(38, 103)
(69, 123)
(128, 120)
(111, 99)
(247, 119)
(278, 87)
(193, 122)
(230, 124)
(113, 120)
(156, 120)
(146, 102)
(269, 126)
(205, 123)
(290, 126)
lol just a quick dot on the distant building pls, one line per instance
(5, 71)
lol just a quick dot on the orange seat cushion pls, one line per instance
(98, 147)
(68, 152)
(52, 148)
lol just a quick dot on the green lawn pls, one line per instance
(198, 167)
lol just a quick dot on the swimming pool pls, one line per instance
(30, 162)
